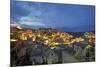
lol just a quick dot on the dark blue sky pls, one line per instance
(52, 15)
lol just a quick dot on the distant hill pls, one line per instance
(77, 29)
(66, 29)
(32, 27)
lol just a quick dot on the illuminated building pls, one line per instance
(18, 27)
(13, 40)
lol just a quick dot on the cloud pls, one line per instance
(34, 15)
(31, 21)
(24, 12)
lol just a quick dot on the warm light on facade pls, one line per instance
(34, 38)
(19, 27)
(13, 40)
(46, 42)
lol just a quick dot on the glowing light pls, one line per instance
(34, 39)
(45, 37)
(19, 27)
(52, 47)
(46, 41)
(13, 40)
(39, 35)
(30, 35)
(56, 43)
